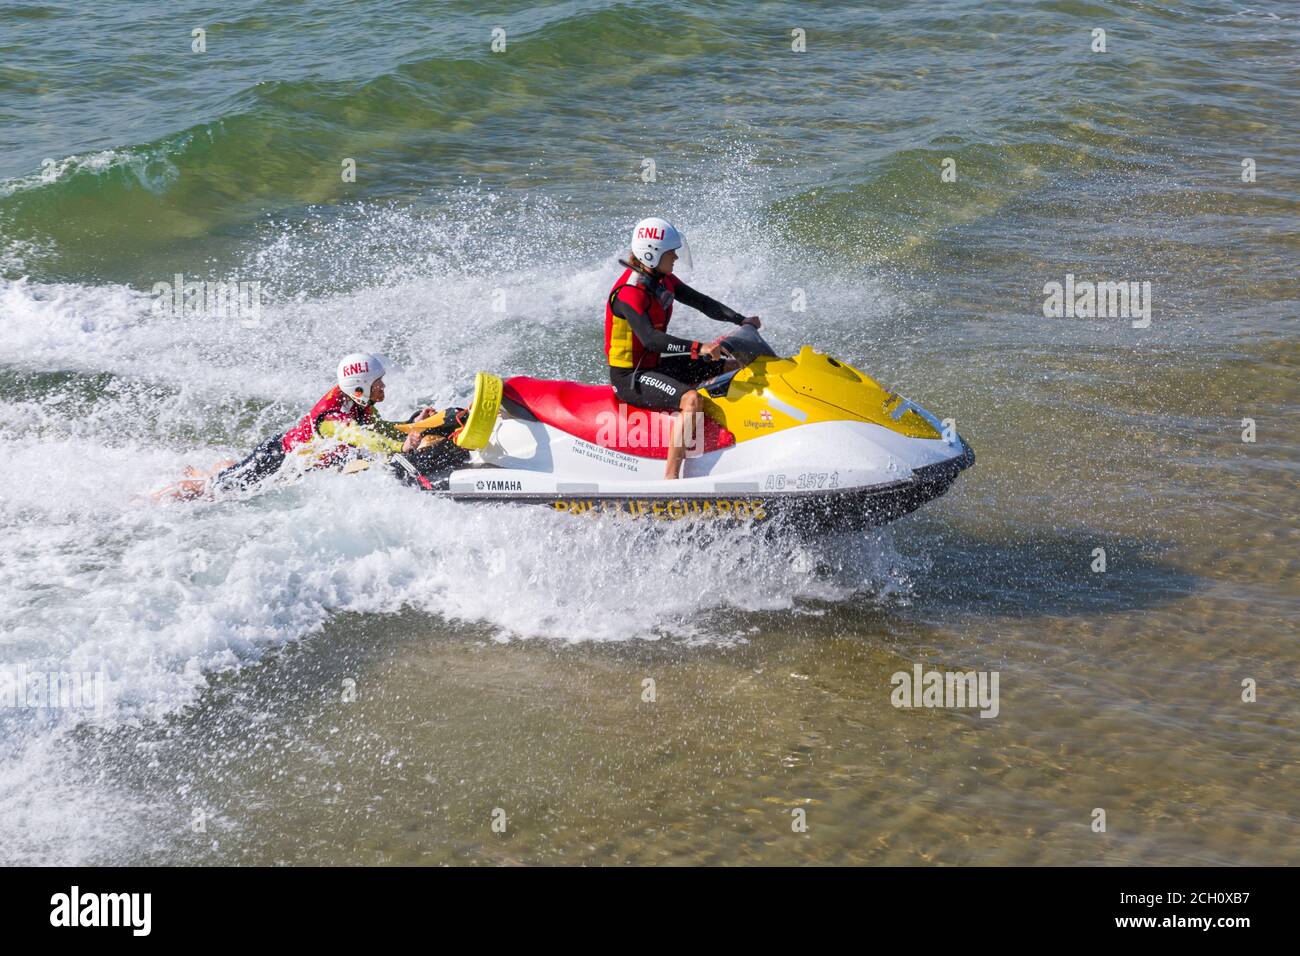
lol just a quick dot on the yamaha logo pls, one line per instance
(498, 486)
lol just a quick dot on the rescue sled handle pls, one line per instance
(476, 431)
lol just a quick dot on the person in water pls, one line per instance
(345, 421)
(648, 367)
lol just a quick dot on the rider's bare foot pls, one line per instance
(181, 491)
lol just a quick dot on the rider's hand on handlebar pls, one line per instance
(754, 321)
(713, 350)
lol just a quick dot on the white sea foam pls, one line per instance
(96, 573)
(107, 401)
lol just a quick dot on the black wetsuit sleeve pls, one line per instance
(710, 307)
(649, 336)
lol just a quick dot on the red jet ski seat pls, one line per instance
(592, 413)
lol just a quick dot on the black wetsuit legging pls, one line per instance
(264, 461)
(662, 387)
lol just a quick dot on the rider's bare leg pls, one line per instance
(192, 472)
(186, 490)
(690, 405)
(194, 485)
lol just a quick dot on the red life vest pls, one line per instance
(335, 406)
(622, 348)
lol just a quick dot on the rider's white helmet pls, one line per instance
(652, 237)
(357, 373)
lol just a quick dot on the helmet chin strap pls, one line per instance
(637, 265)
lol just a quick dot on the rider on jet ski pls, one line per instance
(346, 415)
(648, 367)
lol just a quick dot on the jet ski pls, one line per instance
(806, 437)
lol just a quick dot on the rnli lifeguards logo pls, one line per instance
(667, 509)
(356, 368)
(649, 232)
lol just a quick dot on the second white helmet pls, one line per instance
(357, 373)
(652, 237)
